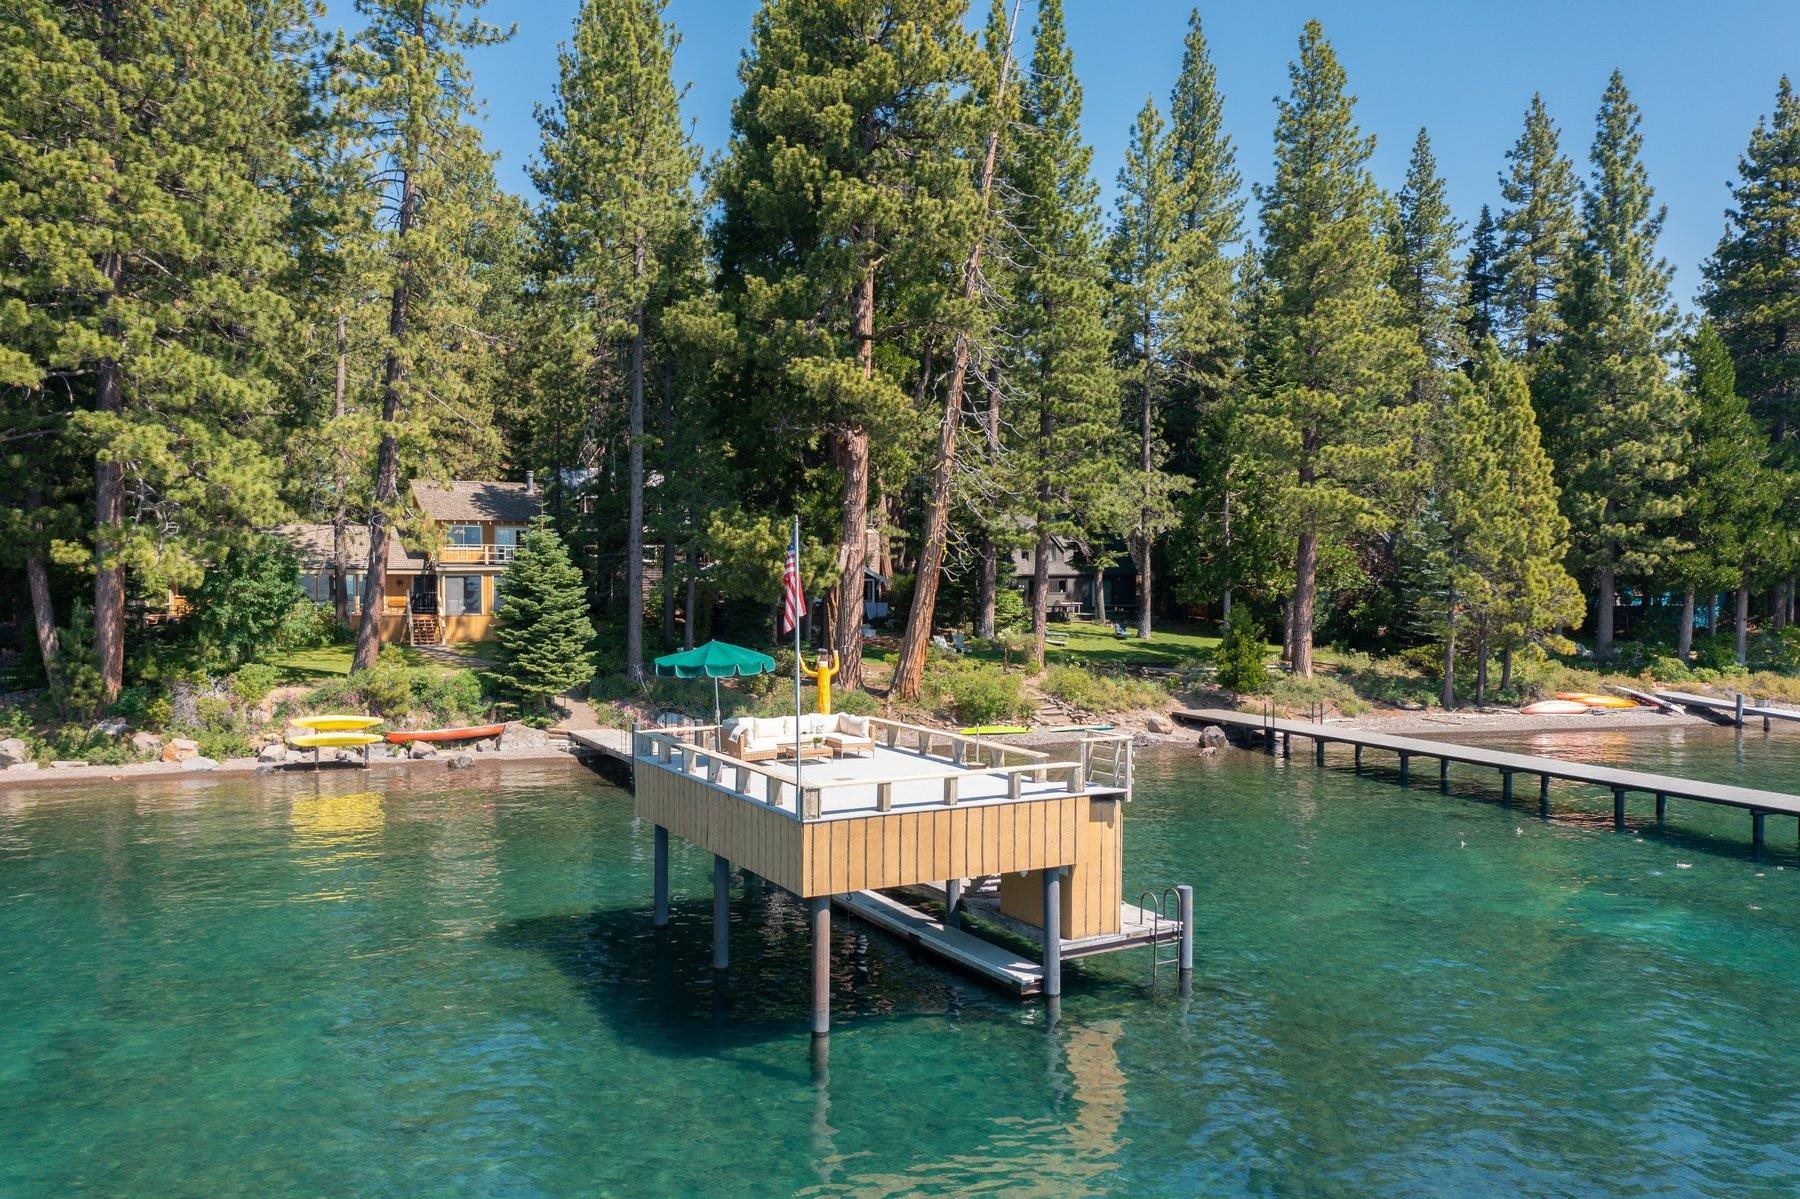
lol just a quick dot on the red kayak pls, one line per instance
(477, 733)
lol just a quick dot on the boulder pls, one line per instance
(522, 736)
(180, 749)
(273, 753)
(198, 763)
(115, 727)
(14, 752)
(460, 761)
(421, 749)
(296, 756)
(487, 746)
(1157, 724)
(22, 767)
(1214, 736)
(377, 752)
(66, 763)
(146, 745)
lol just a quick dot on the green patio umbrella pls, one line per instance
(715, 660)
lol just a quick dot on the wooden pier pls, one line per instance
(1733, 710)
(1277, 734)
(911, 806)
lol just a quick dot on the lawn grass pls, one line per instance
(1091, 643)
(310, 665)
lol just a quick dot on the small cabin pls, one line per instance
(442, 579)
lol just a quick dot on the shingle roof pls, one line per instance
(470, 499)
(313, 544)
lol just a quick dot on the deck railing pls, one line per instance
(476, 555)
(692, 750)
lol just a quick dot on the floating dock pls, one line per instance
(912, 806)
(1275, 732)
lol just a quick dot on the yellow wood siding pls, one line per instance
(759, 839)
(1091, 892)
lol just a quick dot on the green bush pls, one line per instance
(386, 687)
(251, 683)
(248, 603)
(1241, 653)
(144, 706)
(452, 695)
(74, 743)
(1101, 694)
(973, 692)
(1296, 694)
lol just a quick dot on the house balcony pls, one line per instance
(476, 555)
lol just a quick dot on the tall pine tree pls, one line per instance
(1614, 418)
(619, 217)
(1539, 228)
(1481, 280)
(1328, 412)
(1061, 388)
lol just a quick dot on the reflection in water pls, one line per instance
(326, 821)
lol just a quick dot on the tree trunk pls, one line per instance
(1778, 606)
(1605, 594)
(1225, 528)
(668, 591)
(1712, 619)
(1743, 623)
(387, 458)
(1449, 696)
(909, 669)
(1481, 664)
(1684, 631)
(109, 516)
(1506, 667)
(634, 508)
(340, 508)
(1100, 595)
(1306, 583)
(986, 589)
(37, 581)
(852, 445)
(1146, 444)
(690, 609)
(1287, 632)
(1040, 596)
(669, 466)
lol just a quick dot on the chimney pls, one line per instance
(530, 482)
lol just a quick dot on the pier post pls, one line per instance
(1184, 908)
(1619, 809)
(721, 913)
(1444, 776)
(1053, 932)
(953, 902)
(1506, 788)
(661, 872)
(1756, 831)
(1287, 744)
(1319, 751)
(1405, 770)
(1740, 710)
(1662, 807)
(1359, 759)
(819, 911)
(1544, 796)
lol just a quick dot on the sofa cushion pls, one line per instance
(855, 726)
(813, 724)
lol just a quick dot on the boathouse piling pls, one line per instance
(661, 872)
(1053, 932)
(721, 913)
(1184, 910)
(819, 918)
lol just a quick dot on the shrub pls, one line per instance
(247, 601)
(450, 694)
(1294, 693)
(1241, 653)
(385, 687)
(545, 639)
(144, 706)
(1097, 693)
(251, 683)
(974, 692)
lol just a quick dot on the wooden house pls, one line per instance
(442, 576)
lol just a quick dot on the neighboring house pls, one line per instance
(1071, 581)
(443, 594)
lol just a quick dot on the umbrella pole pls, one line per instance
(715, 700)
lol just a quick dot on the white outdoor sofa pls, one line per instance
(759, 738)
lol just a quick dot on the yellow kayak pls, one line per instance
(334, 740)
(1596, 700)
(336, 724)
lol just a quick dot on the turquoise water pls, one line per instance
(294, 986)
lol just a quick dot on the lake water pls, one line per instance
(298, 986)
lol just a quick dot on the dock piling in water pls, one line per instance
(1184, 910)
(661, 871)
(1443, 776)
(1619, 809)
(1053, 932)
(819, 912)
(721, 913)
(1506, 787)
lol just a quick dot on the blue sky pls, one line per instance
(1701, 72)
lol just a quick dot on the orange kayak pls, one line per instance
(474, 733)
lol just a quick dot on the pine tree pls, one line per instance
(1481, 280)
(1539, 228)
(1615, 421)
(845, 193)
(1330, 360)
(1062, 390)
(408, 93)
(541, 625)
(1730, 491)
(138, 270)
(1149, 254)
(1430, 288)
(618, 212)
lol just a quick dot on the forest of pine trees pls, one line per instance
(252, 271)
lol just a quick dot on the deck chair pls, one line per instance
(1119, 631)
(957, 643)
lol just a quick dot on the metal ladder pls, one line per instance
(1159, 917)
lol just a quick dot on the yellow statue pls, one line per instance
(827, 670)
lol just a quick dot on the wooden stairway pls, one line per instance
(422, 629)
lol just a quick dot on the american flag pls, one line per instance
(793, 597)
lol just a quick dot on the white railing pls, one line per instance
(692, 750)
(476, 555)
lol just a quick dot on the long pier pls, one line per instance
(1275, 731)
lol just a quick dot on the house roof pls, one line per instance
(474, 499)
(313, 545)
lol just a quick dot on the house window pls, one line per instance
(462, 595)
(1062, 586)
(506, 542)
(464, 535)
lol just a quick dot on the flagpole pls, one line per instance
(799, 801)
